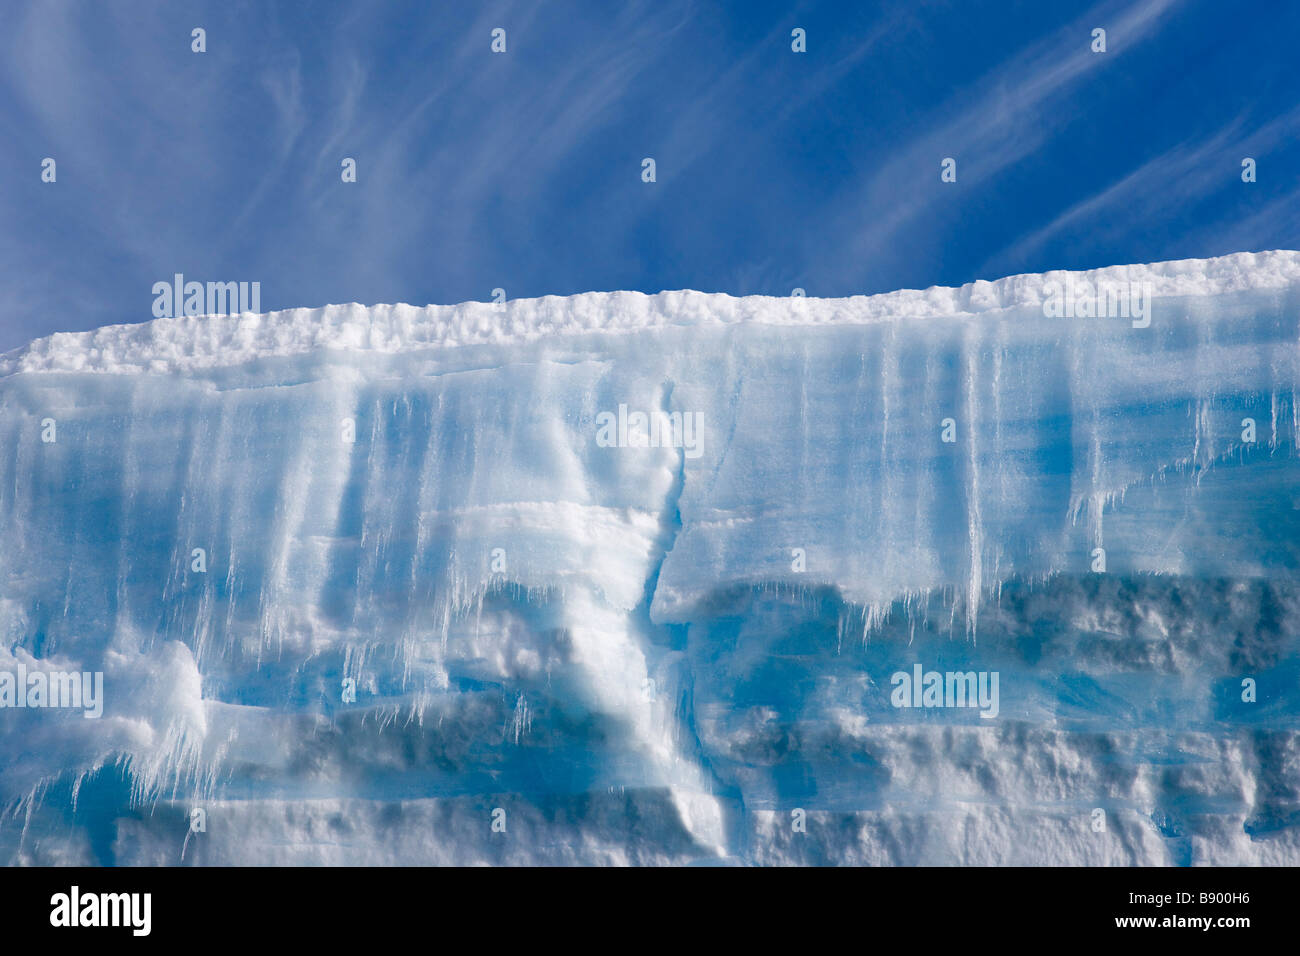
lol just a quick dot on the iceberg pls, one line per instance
(628, 579)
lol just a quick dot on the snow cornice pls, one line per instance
(213, 341)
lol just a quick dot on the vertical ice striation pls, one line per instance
(358, 577)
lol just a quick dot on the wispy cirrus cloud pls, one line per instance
(1188, 173)
(988, 126)
(477, 170)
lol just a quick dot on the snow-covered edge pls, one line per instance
(194, 342)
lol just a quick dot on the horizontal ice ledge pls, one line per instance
(196, 342)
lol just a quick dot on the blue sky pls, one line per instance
(522, 170)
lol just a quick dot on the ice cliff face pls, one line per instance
(455, 585)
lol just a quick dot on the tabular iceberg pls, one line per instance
(931, 577)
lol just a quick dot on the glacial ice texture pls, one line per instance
(642, 655)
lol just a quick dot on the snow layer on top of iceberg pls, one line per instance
(166, 345)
